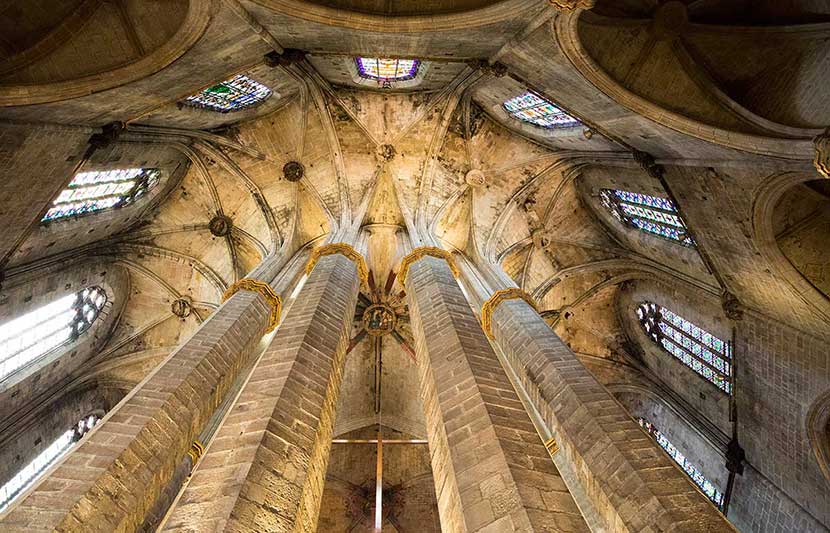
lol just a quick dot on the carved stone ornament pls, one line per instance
(288, 57)
(182, 307)
(386, 152)
(822, 160)
(570, 5)
(379, 320)
(490, 306)
(499, 70)
(418, 254)
(647, 162)
(273, 299)
(220, 226)
(293, 171)
(475, 178)
(732, 307)
(343, 249)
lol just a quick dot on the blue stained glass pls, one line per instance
(386, 69)
(651, 214)
(533, 109)
(237, 93)
(691, 470)
(693, 346)
(94, 191)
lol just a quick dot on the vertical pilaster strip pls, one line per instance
(264, 470)
(492, 471)
(629, 478)
(111, 480)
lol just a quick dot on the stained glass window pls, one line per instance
(237, 93)
(94, 191)
(385, 71)
(31, 472)
(532, 108)
(705, 485)
(34, 334)
(698, 349)
(651, 214)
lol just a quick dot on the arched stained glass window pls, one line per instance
(34, 334)
(385, 71)
(532, 108)
(93, 191)
(698, 349)
(705, 485)
(31, 472)
(237, 93)
(651, 214)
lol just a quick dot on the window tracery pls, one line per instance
(34, 334)
(691, 470)
(533, 109)
(651, 214)
(237, 93)
(695, 347)
(94, 191)
(385, 71)
(31, 472)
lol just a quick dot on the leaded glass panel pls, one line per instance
(239, 92)
(31, 472)
(698, 349)
(34, 334)
(386, 70)
(94, 191)
(691, 470)
(651, 214)
(532, 108)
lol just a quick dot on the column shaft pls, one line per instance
(492, 471)
(264, 470)
(631, 480)
(111, 480)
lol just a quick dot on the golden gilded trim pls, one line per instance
(552, 446)
(424, 251)
(571, 5)
(343, 249)
(822, 158)
(498, 297)
(195, 452)
(273, 299)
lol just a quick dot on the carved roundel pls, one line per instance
(475, 178)
(293, 171)
(379, 319)
(182, 307)
(220, 225)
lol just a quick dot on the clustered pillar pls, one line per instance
(492, 471)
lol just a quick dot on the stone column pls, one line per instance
(114, 477)
(632, 482)
(492, 471)
(264, 470)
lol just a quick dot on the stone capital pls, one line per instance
(571, 5)
(489, 307)
(420, 253)
(732, 307)
(264, 289)
(343, 249)
(822, 158)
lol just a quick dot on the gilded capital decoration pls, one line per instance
(822, 160)
(552, 446)
(195, 452)
(424, 251)
(570, 5)
(343, 249)
(273, 299)
(498, 297)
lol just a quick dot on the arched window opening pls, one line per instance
(533, 109)
(31, 472)
(36, 333)
(386, 71)
(651, 214)
(94, 191)
(695, 347)
(705, 485)
(239, 92)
